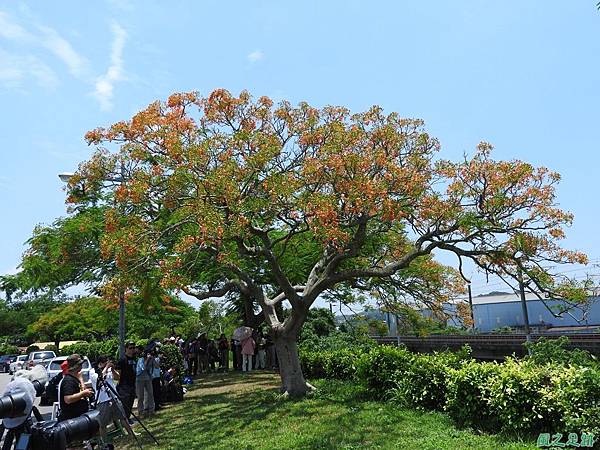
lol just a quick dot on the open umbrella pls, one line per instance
(241, 333)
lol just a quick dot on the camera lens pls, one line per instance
(12, 405)
(82, 427)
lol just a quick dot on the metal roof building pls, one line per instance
(503, 309)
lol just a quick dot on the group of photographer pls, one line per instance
(204, 355)
(137, 374)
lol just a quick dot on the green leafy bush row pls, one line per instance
(8, 349)
(518, 396)
(92, 350)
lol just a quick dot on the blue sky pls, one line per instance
(524, 76)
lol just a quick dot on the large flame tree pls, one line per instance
(285, 204)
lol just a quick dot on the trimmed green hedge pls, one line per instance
(518, 396)
(92, 350)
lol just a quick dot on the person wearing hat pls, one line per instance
(73, 395)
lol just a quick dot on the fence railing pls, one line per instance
(487, 346)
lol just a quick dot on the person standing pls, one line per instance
(203, 356)
(124, 374)
(248, 346)
(262, 352)
(143, 385)
(156, 383)
(193, 357)
(223, 353)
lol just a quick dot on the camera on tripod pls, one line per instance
(16, 407)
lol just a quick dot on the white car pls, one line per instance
(18, 364)
(39, 357)
(53, 367)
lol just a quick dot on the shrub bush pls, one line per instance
(425, 382)
(339, 364)
(556, 351)
(51, 348)
(313, 364)
(466, 401)
(172, 357)
(519, 396)
(7, 349)
(576, 395)
(381, 367)
(92, 350)
(423, 385)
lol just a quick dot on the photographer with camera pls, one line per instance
(72, 394)
(143, 383)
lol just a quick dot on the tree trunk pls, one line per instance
(292, 379)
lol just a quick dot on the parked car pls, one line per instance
(17, 364)
(5, 361)
(40, 357)
(53, 369)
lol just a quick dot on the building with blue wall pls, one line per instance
(500, 310)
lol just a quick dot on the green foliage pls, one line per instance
(320, 322)
(7, 349)
(425, 382)
(65, 253)
(515, 397)
(412, 322)
(466, 401)
(15, 316)
(576, 397)
(108, 347)
(211, 318)
(503, 330)
(518, 395)
(333, 364)
(51, 348)
(379, 368)
(32, 348)
(556, 351)
(172, 357)
(83, 318)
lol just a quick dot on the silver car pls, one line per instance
(18, 364)
(39, 357)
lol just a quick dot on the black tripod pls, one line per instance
(123, 410)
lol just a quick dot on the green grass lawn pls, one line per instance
(236, 411)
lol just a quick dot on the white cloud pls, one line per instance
(104, 86)
(11, 30)
(63, 50)
(16, 69)
(255, 56)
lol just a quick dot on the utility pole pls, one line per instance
(524, 308)
(471, 305)
(121, 180)
(65, 177)
(121, 324)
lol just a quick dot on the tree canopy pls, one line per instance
(216, 193)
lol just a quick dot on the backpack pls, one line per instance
(52, 388)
